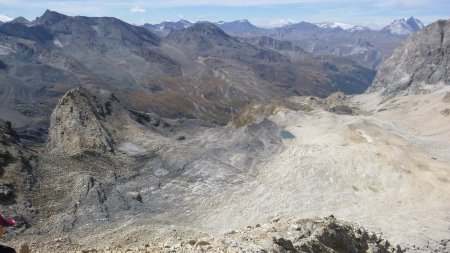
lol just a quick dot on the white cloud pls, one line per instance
(280, 22)
(4, 18)
(137, 9)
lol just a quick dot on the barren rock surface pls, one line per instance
(116, 180)
(420, 63)
(385, 167)
(280, 235)
(17, 178)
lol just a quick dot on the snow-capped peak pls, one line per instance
(343, 26)
(4, 18)
(404, 26)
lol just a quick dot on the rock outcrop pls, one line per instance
(16, 177)
(296, 235)
(79, 123)
(255, 113)
(420, 63)
(92, 120)
(326, 235)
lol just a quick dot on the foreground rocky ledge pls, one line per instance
(280, 235)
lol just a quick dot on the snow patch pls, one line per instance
(4, 18)
(57, 43)
(6, 50)
(366, 136)
(131, 148)
(343, 26)
(161, 172)
(95, 27)
(405, 79)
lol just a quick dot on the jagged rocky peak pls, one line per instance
(419, 64)
(414, 23)
(94, 121)
(50, 17)
(404, 26)
(80, 122)
(204, 35)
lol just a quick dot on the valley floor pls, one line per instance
(387, 169)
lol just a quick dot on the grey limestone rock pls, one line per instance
(419, 64)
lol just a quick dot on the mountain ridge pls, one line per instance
(418, 64)
(199, 67)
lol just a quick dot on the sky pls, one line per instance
(265, 13)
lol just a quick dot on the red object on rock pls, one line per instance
(6, 222)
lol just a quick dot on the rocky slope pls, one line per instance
(339, 70)
(421, 63)
(116, 179)
(280, 235)
(257, 112)
(208, 77)
(17, 179)
(365, 46)
(77, 124)
(112, 178)
(360, 51)
(105, 163)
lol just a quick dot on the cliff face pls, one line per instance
(421, 62)
(79, 123)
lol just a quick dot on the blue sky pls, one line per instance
(374, 13)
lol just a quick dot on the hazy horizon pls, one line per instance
(264, 13)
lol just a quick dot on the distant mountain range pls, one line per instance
(343, 26)
(367, 47)
(181, 69)
(244, 27)
(195, 72)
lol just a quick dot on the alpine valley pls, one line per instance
(224, 137)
